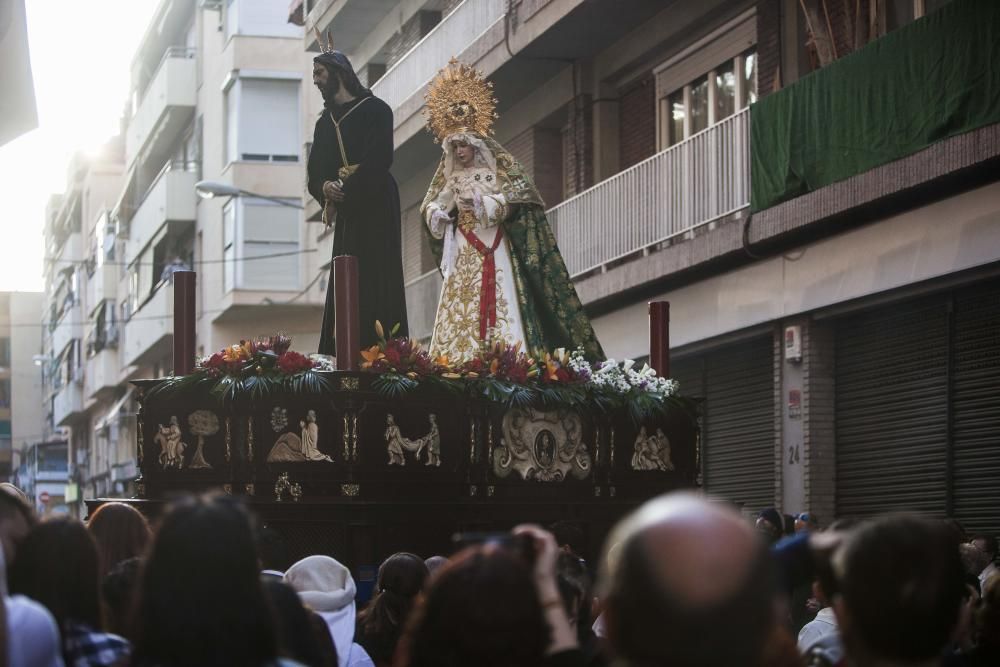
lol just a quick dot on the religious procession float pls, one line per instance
(512, 413)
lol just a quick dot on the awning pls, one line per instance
(115, 412)
(296, 12)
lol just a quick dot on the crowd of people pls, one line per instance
(683, 582)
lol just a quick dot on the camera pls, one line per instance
(522, 546)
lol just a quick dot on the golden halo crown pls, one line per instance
(459, 99)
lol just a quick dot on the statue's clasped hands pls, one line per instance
(333, 191)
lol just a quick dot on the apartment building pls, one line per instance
(78, 384)
(831, 303)
(216, 94)
(20, 378)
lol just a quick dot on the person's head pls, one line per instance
(333, 72)
(770, 525)
(118, 593)
(481, 609)
(273, 550)
(57, 565)
(569, 535)
(200, 598)
(400, 580)
(901, 584)
(465, 153)
(686, 583)
(987, 544)
(806, 522)
(435, 563)
(296, 638)
(121, 532)
(16, 519)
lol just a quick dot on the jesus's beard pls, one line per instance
(330, 90)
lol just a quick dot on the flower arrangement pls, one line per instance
(252, 368)
(506, 374)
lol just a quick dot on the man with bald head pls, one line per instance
(687, 583)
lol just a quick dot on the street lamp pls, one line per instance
(209, 189)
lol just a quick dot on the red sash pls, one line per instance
(488, 297)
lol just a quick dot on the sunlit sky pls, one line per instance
(80, 56)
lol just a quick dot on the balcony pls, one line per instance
(658, 201)
(897, 97)
(448, 38)
(166, 105)
(102, 373)
(170, 200)
(68, 403)
(422, 296)
(68, 328)
(149, 332)
(102, 284)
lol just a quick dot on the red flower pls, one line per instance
(292, 362)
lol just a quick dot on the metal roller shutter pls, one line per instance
(891, 410)
(976, 409)
(739, 423)
(737, 385)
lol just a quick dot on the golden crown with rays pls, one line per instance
(459, 99)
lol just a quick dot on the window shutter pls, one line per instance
(269, 229)
(268, 120)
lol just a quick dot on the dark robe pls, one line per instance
(367, 224)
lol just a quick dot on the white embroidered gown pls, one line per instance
(456, 325)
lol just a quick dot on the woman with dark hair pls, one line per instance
(57, 565)
(494, 605)
(401, 577)
(299, 635)
(121, 531)
(200, 600)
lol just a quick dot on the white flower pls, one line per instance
(627, 365)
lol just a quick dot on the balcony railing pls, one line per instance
(166, 103)
(701, 179)
(171, 198)
(419, 65)
(68, 328)
(68, 403)
(150, 329)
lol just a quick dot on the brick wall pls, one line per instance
(539, 150)
(818, 420)
(637, 122)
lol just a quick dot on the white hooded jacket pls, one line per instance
(327, 587)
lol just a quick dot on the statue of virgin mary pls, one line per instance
(504, 279)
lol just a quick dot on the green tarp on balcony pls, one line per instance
(932, 79)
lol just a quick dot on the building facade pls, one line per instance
(216, 94)
(20, 378)
(841, 331)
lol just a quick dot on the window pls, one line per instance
(4, 351)
(263, 18)
(710, 98)
(262, 117)
(5, 393)
(255, 228)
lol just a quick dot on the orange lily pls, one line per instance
(371, 355)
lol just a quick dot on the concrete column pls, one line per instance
(805, 404)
